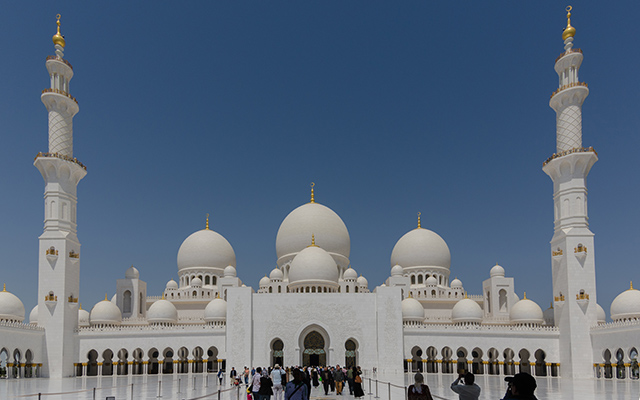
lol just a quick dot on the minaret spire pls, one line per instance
(419, 224)
(313, 200)
(573, 267)
(61, 172)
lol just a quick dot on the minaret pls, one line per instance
(572, 249)
(59, 250)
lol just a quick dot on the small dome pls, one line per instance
(466, 310)
(313, 218)
(33, 315)
(196, 282)
(11, 308)
(132, 273)
(421, 248)
(456, 284)
(276, 274)
(206, 249)
(526, 312)
(83, 317)
(114, 298)
(350, 274)
(362, 281)
(431, 281)
(601, 315)
(313, 264)
(548, 316)
(230, 272)
(265, 281)
(496, 271)
(172, 285)
(105, 313)
(162, 311)
(626, 305)
(412, 310)
(216, 310)
(515, 298)
(397, 270)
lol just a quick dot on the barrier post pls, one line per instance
(179, 379)
(218, 394)
(159, 388)
(370, 393)
(406, 394)
(376, 396)
(238, 393)
(194, 383)
(206, 381)
(94, 393)
(39, 396)
(132, 391)
(389, 386)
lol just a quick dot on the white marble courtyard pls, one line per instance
(185, 387)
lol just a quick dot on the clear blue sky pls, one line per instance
(233, 108)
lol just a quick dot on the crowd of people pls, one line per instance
(295, 383)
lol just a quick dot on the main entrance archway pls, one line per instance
(314, 353)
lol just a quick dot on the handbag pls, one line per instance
(358, 379)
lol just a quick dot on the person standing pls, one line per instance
(325, 380)
(296, 389)
(521, 386)
(314, 377)
(338, 377)
(266, 385)
(276, 378)
(419, 391)
(233, 374)
(350, 380)
(468, 390)
(255, 384)
(246, 376)
(220, 375)
(357, 383)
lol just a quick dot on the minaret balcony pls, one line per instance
(563, 87)
(572, 50)
(58, 91)
(74, 257)
(62, 60)
(567, 152)
(62, 157)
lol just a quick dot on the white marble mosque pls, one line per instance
(418, 319)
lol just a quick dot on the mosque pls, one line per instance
(417, 319)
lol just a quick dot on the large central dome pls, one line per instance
(309, 219)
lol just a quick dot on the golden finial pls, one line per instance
(4, 287)
(410, 295)
(465, 295)
(162, 298)
(58, 38)
(630, 285)
(551, 304)
(80, 306)
(569, 31)
(105, 297)
(313, 200)
(525, 296)
(313, 241)
(419, 225)
(217, 295)
(207, 224)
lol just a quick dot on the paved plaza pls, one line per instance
(186, 387)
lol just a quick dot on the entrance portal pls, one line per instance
(314, 353)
